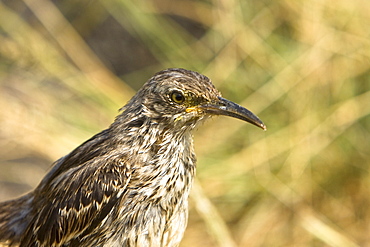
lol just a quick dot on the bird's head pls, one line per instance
(181, 97)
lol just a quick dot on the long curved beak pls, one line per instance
(228, 108)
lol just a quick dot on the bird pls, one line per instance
(129, 184)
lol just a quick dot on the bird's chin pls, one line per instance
(189, 119)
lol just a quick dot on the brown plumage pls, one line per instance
(129, 184)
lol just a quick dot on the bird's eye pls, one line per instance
(177, 97)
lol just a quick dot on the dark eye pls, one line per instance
(177, 97)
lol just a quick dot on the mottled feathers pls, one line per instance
(129, 184)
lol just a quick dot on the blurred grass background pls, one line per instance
(66, 67)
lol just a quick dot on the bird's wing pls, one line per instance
(75, 203)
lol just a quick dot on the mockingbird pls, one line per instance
(128, 185)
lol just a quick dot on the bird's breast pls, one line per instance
(156, 198)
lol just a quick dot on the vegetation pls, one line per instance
(302, 66)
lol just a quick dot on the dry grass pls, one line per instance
(302, 66)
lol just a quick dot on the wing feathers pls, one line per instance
(80, 202)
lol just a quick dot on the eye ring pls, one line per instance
(177, 97)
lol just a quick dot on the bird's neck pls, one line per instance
(162, 157)
(160, 146)
(152, 139)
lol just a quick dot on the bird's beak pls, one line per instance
(228, 108)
